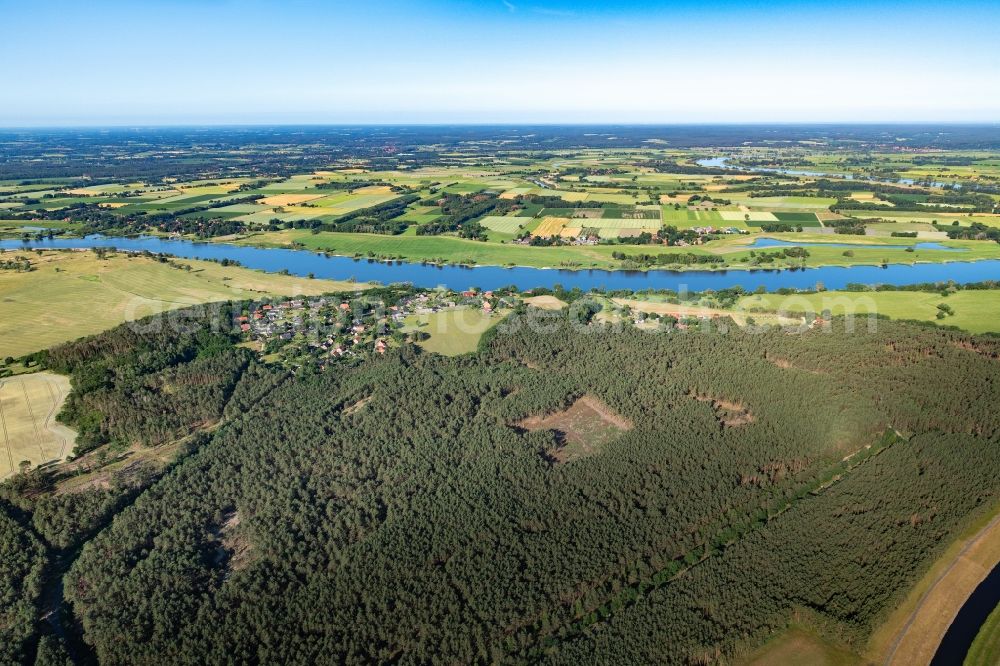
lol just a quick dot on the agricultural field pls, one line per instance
(71, 294)
(695, 312)
(545, 302)
(507, 225)
(28, 429)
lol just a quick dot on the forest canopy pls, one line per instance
(688, 491)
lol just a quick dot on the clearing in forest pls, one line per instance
(28, 429)
(233, 549)
(785, 364)
(583, 429)
(728, 413)
(357, 406)
(798, 645)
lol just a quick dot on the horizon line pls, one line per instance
(547, 123)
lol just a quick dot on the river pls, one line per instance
(965, 627)
(304, 262)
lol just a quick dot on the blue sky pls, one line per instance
(256, 61)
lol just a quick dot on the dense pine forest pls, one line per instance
(686, 494)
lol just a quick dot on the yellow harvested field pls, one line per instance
(827, 216)
(98, 190)
(201, 190)
(220, 187)
(740, 216)
(515, 192)
(374, 189)
(289, 199)
(112, 204)
(551, 226)
(28, 429)
(675, 309)
(716, 187)
(681, 311)
(546, 302)
(570, 232)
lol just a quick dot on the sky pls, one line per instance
(117, 62)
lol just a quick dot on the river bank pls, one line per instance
(303, 263)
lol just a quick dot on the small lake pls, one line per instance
(723, 163)
(927, 245)
(304, 262)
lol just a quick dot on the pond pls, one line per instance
(304, 262)
(926, 245)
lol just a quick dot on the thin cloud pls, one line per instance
(545, 11)
(511, 7)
